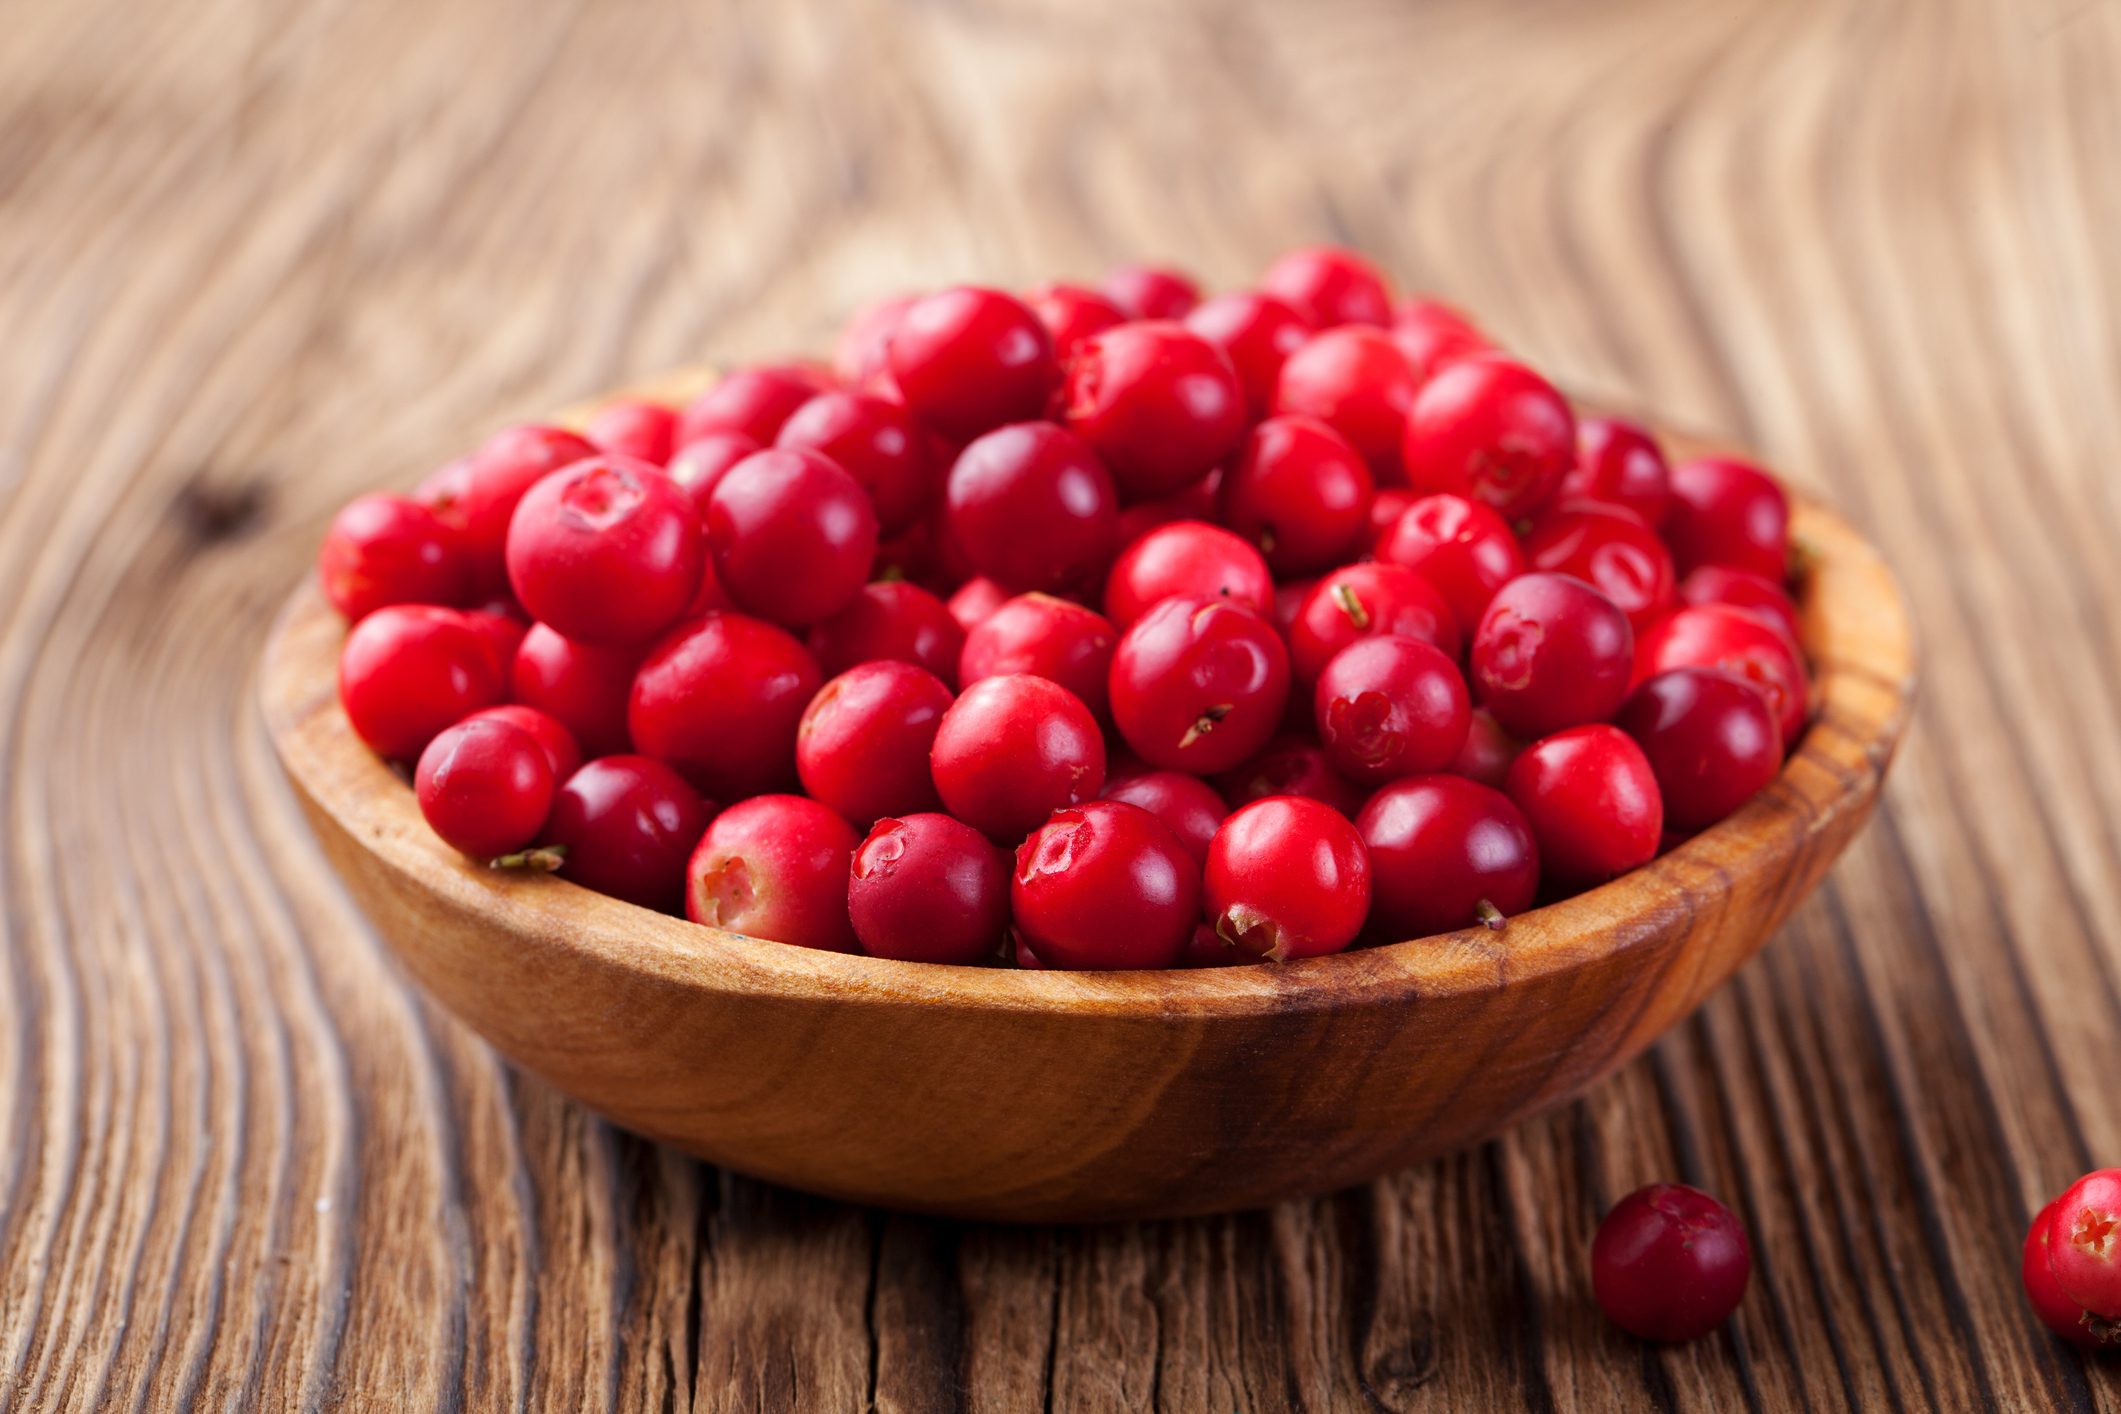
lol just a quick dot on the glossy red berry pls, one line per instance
(1492, 429)
(503, 633)
(1033, 508)
(1192, 502)
(974, 601)
(1366, 601)
(751, 401)
(877, 443)
(1726, 512)
(1291, 764)
(1756, 594)
(1190, 558)
(1390, 706)
(1432, 334)
(1551, 652)
(1188, 804)
(1356, 381)
(562, 752)
(1257, 333)
(862, 746)
(1718, 636)
(2084, 1243)
(1592, 801)
(863, 350)
(1159, 405)
(1072, 313)
(927, 888)
(624, 826)
(1710, 739)
(608, 550)
(1046, 637)
(1391, 503)
(2051, 1303)
(890, 620)
(1287, 877)
(699, 466)
(1012, 750)
(1488, 751)
(719, 698)
(407, 671)
(1620, 463)
(1151, 291)
(583, 686)
(1300, 493)
(1330, 286)
(793, 536)
(1464, 549)
(775, 867)
(1199, 684)
(1446, 853)
(391, 550)
(1105, 885)
(485, 787)
(478, 495)
(1611, 549)
(1669, 1263)
(968, 360)
(635, 428)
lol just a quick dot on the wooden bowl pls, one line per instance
(1034, 1096)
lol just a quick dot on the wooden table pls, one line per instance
(254, 258)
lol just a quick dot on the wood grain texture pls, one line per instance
(254, 257)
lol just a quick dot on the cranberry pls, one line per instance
(391, 550)
(775, 867)
(1669, 1263)
(1151, 291)
(1193, 502)
(1300, 493)
(2050, 1302)
(862, 746)
(1011, 750)
(485, 787)
(2084, 1243)
(643, 430)
(1364, 601)
(503, 634)
(1446, 853)
(1188, 804)
(562, 752)
(1756, 594)
(1258, 333)
(793, 536)
(699, 466)
(1330, 286)
(975, 601)
(1105, 885)
(1551, 652)
(479, 494)
(624, 826)
(1592, 802)
(874, 441)
(1710, 739)
(1157, 402)
(1390, 706)
(1292, 764)
(894, 621)
(1461, 547)
(1072, 313)
(1432, 334)
(753, 401)
(720, 698)
(1289, 597)
(1620, 463)
(927, 888)
(1492, 429)
(1611, 549)
(409, 670)
(1199, 684)
(968, 360)
(1033, 508)
(1718, 636)
(1048, 638)
(1287, 877)
(1488, 751)
(583, 686)
(863, 351)
(1726, 512)
(606, 551)
(1187, 557)
(1356, 381)
(1206, 949)
(1391, 503)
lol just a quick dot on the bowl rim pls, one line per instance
(1857, 634)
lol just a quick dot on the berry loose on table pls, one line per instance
(2084, 1243)
(775, 867)
(927, 888)
(1287, 877)
(1670, 1263)
(2054, 1306)
(1105, 885)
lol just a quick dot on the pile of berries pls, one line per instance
(2072, 1262)
(1255, 626)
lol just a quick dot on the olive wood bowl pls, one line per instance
(992, 1093)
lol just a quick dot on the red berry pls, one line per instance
(1187, 557)
(502, 633)
(1048, 638)
(1461, 547)
(1012, 750)
(1446, 853)
(1199, 684)
(1726, 512)
(391, 550)
(975, 601)
(1033, 508)
(793, 536)
(863, 350)
(862, 746)
(1620, 463)
(583, 686)
(1287, 877)
(1151, 291)
(1391, 706)
(699, 466)
(1300, 493)
(890, 620)
(1710, 739)
(1742, 589)
(968, 360)
(1551, 652)
(1492, 429)
(606, 551)
(1205, 949)
(1432, 334)
(624, 826)
(1193, 502)
(562, 752)
(478, 495)
(1072, 313)
(1609, 548)
(1188, 804)
(1257, 333)
(1330, 286)
(1292, 765)
(1365, 601)
(2050, 1302)
(407, 671)
(643, 430)
(720, 698)
(485, 787)
(775, 867)
(1488, 751)
(878, 444)
(927, 888)
(1718, 636)
(1391, 503)
(1158, 403)
(2084, 1243)
(1356, 381)
(1105, 885)
(1669, 1263)
(1592, 802)
(752, 401)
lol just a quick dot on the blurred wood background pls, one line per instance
(257, 257)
